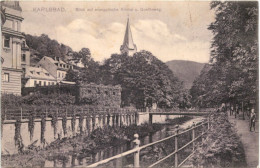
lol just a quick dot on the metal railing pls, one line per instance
(39, 112)
(137, 148)
(26, 113)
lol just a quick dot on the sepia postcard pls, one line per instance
(129, 84)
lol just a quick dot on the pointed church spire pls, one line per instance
(128, 46)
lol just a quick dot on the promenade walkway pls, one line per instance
(249, 139)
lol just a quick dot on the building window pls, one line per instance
(7, 42)
(35, 83)
(23, 57)
(106, 92)
(40, 83)
(114, 93)
(52, 83)
(44, 83)
(6, 77)
(49, 83)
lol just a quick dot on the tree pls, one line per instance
(72, 75)
(44, 46)
(234, 55)
(144, 80)
(85, 56)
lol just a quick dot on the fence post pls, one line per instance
(176, 146)
(21, 113)
(150, 119)
(136, 118)
(137, 153)
(193, 136)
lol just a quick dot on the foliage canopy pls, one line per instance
(232, 74)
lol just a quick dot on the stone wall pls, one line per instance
(46, 130)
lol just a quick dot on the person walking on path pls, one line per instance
(231, 110)
(249, 140)
(236, 111)
(252, 119)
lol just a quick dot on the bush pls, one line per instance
(51, 99)
(10, 100)
(221, 146)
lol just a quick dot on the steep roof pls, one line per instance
(128, 39)
(38, 73)
(55, 61)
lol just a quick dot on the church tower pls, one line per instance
(128, 46)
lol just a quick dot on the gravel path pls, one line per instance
(249, 139)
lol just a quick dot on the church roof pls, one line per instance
(128, 39)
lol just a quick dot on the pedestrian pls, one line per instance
(231, 110)
(236, 110)
(223, 107)
(248, 112)
(252, 119)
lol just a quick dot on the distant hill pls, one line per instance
(186, 71)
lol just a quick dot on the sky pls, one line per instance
(170, 30)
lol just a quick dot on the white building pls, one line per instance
(38, 76)
(56, 67)
(13, 50)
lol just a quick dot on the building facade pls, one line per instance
(56, 67)
(25, 57)
(38, 76)
(128, 47)
(11, 53)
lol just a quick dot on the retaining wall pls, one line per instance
(43, 133)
